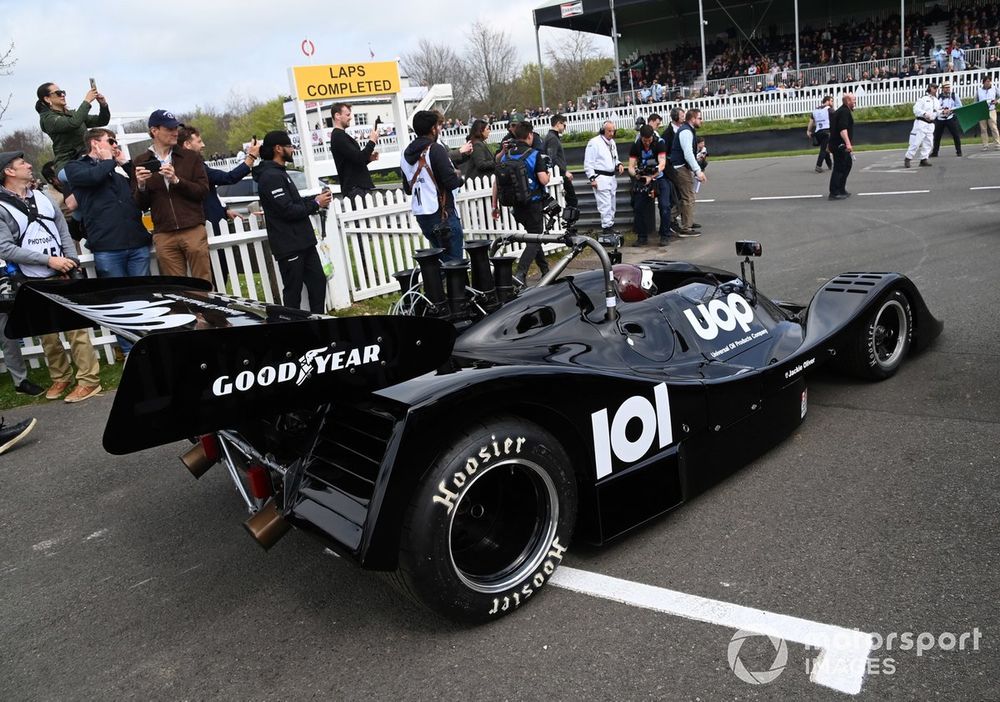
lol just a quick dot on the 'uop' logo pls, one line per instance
(321, 360)
(721, 315)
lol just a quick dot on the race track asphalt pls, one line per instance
(124, 578)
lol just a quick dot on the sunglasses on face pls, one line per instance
(60, 93)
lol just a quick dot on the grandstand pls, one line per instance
(756, 47)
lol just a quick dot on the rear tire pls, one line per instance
(884, 341)
(490, 522)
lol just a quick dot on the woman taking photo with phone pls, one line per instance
(66, 128)
(481, 162)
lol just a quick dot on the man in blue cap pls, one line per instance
(171, 182)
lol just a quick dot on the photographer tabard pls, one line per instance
(646, 162)
(430, 178)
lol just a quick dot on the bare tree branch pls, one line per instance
(7, 63)
(492, 63)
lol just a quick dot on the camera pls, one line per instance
(640, 186)
(749, 248)
(442, 232)
(153, 165)
(550, 208)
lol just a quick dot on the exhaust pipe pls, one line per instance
(202, 456)
(482, 276)
(429, 261)
(267, 526)
(503, 275)
(407, 279)
(457, 277)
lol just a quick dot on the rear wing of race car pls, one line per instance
(204, 361)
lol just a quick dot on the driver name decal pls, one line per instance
(316, 361)
(611, 440)
(495, 449)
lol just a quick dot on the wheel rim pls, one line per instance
(503, 525)
(889, 334)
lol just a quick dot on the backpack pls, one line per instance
(514, 184)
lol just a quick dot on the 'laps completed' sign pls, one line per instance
(346, 80)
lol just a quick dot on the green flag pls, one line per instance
(971, 115)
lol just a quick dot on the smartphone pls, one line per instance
(254, 138)
(152, 166)
(378, 120)
(93, 84)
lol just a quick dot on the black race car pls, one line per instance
(461, 444)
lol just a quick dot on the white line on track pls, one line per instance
(786, 197)
(896, 192)
(712, 200)
(986, 187)
(842, 661)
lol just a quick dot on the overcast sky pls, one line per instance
(177, 55)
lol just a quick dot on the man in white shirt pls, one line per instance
(602, 167)
(819, 131)
(988, 128)
(925, 112)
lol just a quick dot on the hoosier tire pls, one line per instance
(884, 341)
(489, 523)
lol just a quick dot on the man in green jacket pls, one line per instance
(66, 128)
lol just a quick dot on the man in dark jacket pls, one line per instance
(174, 194)
(350, 159)
(190, 138)
(430, 177)
(66, 128)
(553, 147)
(289, 231)
(115, 232)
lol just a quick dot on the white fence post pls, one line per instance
(338, 287)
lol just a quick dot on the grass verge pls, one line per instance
(111, 375)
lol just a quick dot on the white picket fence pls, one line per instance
(370, 239)
(377, 235)
(777, 103)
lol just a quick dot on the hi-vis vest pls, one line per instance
(36, 231)
(424, 191)
(821, 116)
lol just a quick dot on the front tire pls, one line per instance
(885, 339)
(490, 522)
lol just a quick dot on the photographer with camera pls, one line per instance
(430, 178)
(522, 175)
(34, 237)
(646, 162)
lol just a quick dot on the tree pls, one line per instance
(7, 62)
(491, 60)
(37, 149)
(213, 125)
(431, 64)
(258, 121)
(577, 66)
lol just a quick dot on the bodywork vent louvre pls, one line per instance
(349, 450)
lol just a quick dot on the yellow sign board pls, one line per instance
(346, 80)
